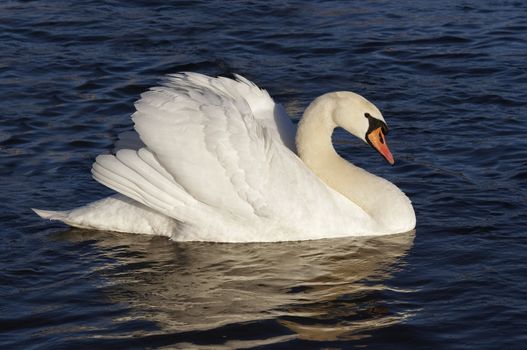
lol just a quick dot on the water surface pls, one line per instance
(451, 81)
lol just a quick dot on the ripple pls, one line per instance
(449, 78)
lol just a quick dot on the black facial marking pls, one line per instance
(375, 123)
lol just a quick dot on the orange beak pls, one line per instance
(377, 139)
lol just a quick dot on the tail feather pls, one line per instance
(116, 213)
(64, 216)
(51, 214)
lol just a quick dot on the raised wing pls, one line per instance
(213, 135)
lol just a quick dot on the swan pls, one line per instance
(216, 159)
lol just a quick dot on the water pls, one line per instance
(451, 80)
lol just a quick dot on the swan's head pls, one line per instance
(361, 118)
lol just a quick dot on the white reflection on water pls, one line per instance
(320, 290)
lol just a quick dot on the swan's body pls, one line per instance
(216, 161)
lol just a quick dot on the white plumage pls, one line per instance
(216, 161)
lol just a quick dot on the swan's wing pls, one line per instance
(222, 142)
(209, 134)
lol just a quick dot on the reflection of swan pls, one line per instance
(218, 164)
(321, 290)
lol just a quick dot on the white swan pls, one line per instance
(216, 161)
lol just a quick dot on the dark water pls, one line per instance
(451, 79)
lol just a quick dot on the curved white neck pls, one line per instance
(378, 197)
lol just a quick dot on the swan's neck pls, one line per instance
(375, 195)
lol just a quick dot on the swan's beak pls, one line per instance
(377, 140)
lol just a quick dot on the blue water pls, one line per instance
(451, 80)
